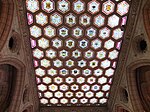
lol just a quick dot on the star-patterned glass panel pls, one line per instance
(75, 46)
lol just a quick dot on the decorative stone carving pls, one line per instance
(133, 14)
(28, 109)
(139, 45)
(123, 95)
(27, 51)
(14, 43)
(121, 109)
(26, 95)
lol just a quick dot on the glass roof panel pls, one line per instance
(75, 45)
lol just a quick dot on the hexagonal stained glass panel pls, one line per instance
(91, 32)
(99, 20)
(75, 46)
(123, 8)
(63, 6)
(45, 63)
(77, 32)
(108, 7)
(32, 5)
(95, 44)
(93, 6)
(56, 19)
(104, 33)
(50, 53)
(38, 53)
(111, 21)
(35, 31)
(85, 20)
(49, 31)
(63, 31)
(78, 6)
(70, 19)
(43, 43)
(48, 5)
(41, 19)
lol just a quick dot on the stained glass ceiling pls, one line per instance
(75, 45)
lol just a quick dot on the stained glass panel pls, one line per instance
(75, 45)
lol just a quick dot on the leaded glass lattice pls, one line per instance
(75, 45)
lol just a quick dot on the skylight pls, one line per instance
(75, 45)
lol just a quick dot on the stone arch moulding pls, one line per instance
(146, 16)
(123, 94)
(120, 108)
(126, 46)
(132, 86)
(7, 83)
(143, 85)
(6, 17)
(27, 108)
(16, 98)
(25, 96)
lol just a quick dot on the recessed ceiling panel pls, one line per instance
(75, 45)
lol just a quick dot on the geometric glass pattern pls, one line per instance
(75, 45)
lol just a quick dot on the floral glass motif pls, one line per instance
(75, 45)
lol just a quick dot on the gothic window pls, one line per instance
(75, 45)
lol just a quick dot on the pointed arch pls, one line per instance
(18, 82)
(135, 97)
(121, 109)
(6, 17)
(143, 85)
(146, 17)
